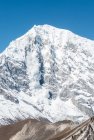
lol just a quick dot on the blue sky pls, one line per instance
(18, 16)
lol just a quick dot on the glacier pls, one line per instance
(48, 73)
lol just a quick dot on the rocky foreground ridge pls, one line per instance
(32, 129)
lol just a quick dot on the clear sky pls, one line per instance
(18, 16)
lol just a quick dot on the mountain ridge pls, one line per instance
(39, 130)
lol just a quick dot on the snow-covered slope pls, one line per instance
(47, 73)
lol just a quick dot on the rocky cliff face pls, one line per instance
(47, 73)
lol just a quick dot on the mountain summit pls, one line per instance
(48, 73)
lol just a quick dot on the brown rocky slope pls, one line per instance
(32, 129)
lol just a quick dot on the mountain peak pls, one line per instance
(48, 28)
(46, 33)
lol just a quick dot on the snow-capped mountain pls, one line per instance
(47, 73)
